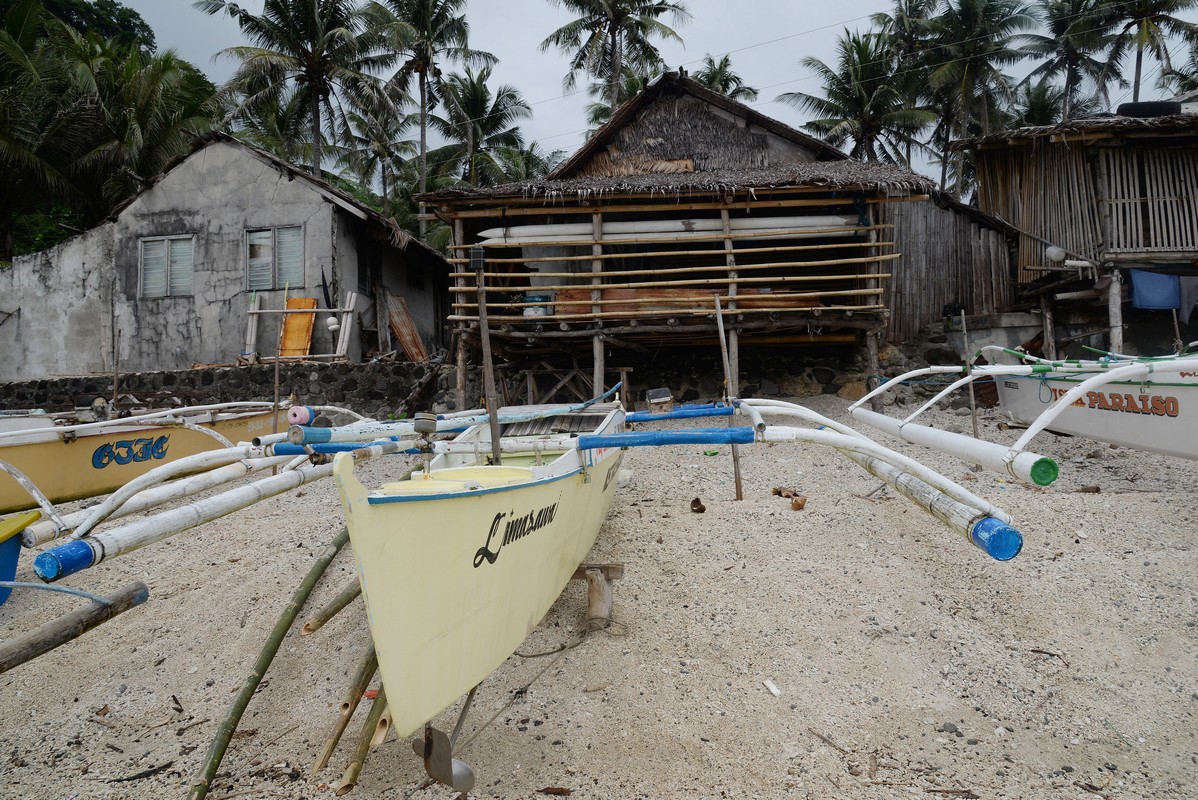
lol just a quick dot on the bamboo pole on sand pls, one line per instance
(343, 598)
(350, 778)
(224, 733)
(367, 666)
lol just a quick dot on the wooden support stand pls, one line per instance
(599, 578)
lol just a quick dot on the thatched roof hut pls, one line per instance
(686, 195)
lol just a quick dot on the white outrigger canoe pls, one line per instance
(460, 560)
(1143, 403)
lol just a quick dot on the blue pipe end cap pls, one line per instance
(64, 560)
(997, 538)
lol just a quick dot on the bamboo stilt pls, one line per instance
(343, 598)
(350, 777)
(367, 666)
(224, 733)
(382, 728)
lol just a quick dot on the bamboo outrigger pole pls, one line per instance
(216, 751)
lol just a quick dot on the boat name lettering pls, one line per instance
(125, 451)
(1156, 405)
(513, 528)
(1187, 374)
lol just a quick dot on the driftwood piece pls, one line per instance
(69, 626)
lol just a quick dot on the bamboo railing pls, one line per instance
(674, 279)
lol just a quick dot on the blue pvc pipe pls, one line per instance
(740, 435)
(997, 538)
(682, 412)
(66, 559)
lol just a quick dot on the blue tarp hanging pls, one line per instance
(1153, 290)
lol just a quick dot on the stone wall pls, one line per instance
(380, 389)
(373, 389)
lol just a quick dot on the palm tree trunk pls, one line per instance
(617, 67)
(1135, 91)
(423, 80)
(316, 134)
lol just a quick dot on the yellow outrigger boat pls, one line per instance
(68, 457)
(461, 559)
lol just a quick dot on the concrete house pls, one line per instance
(167, 282)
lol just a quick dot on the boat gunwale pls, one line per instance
(382, 499)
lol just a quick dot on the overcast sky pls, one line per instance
(765, 38)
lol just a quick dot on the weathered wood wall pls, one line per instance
(945, 258)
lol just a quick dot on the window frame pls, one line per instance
(274, 257)
(166, 239)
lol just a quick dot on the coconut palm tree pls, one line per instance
(973, 41)
(1079, 32)
(610, 38)
(278, 125)
(862, 102)
(599, 112)
(1148, 25)
(512, 164)
(1182, 78)
(376, 145)
(907, 32)
(719, 77)
(320, 47)
(424, 34)
(149, 104)
(478, 121)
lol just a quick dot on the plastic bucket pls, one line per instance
(537, 311)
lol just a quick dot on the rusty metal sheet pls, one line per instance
(404, 328)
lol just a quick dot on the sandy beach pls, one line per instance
(856, 648)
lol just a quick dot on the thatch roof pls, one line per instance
(679, 138)
(844, 175)
(1100, 128)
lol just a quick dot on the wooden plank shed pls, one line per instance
(686, 197)
(1092, 198)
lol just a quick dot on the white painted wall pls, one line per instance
(76, 298)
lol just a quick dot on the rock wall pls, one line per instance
(380, 389)
(374, 389)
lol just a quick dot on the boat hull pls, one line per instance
(454, 583)
(1159, 416)
(100, 461)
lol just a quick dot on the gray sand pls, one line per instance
(906, 662)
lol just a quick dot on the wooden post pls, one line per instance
(719, 319)
(459, 237)
(599, 578)
(596, 295)
(873, 366)
(733, 334)
(479, 263)
(1050, 328)
(1115, 310)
